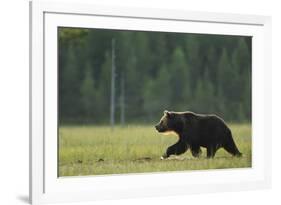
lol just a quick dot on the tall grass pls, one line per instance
(94, 150)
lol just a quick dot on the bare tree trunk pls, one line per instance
(113, 74)
(122, 100)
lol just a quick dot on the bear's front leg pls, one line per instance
(211, 151)
(176, 149)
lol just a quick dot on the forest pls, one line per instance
(154, 71)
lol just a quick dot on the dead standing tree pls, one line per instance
(113, 75)
(113, 90)
(122, 99)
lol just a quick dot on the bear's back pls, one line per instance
(199, 121)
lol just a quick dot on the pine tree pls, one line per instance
(193, 58)
(69, 85)
(103, 89)
(242, 64)
(204, 98)
(211, 63)
(241, 56)
(157, 94)
(179, 79)
(88, 97)
(224, 84)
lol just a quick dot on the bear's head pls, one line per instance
(169, 122)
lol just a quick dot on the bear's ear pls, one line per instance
(167, 113)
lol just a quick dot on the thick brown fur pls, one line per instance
(195, 131)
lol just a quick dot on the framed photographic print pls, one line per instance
(134, 102)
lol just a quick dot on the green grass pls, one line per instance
(95, 150)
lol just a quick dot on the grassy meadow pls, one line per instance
(98, 150)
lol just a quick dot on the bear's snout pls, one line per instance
(159, 128)
(156, 127)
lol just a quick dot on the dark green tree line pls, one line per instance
(196, 72)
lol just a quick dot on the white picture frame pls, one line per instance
(45, 186)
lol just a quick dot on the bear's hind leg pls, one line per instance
(196, 151)
(231, 147)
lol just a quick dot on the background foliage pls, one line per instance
(173, 71)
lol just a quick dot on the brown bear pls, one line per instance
(195, 131)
